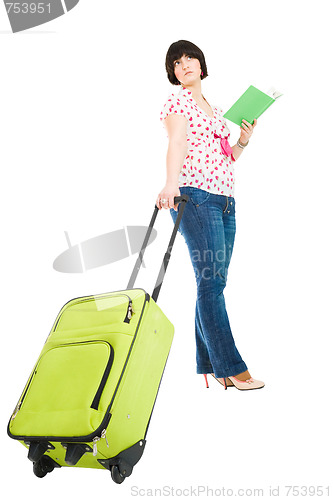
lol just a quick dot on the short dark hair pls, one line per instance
(178, 50)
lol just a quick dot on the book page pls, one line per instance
(272, 92)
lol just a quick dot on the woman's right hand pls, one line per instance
(166, 197)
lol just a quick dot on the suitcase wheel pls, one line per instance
(43, 466)
(74, 452)
(37, 450)
(115, 474)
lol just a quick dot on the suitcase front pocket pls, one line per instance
(64, 394)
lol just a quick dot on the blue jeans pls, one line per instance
(208, 226)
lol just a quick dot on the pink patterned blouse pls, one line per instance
(209, 164)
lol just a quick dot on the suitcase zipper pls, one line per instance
(19, 404)
(96, 400)
(17, 409)
(130, 310)
(98, 438)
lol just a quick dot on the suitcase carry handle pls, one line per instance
(178, 199)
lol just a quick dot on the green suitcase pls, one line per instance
(90, 396)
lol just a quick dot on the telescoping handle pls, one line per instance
(178, 199)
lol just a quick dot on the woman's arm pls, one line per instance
(177, 149)
(246, 132)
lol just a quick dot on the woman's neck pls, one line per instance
(195, 89)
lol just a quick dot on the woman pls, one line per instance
(200, 163)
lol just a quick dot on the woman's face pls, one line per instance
(187, 69)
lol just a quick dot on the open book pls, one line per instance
(251, 105)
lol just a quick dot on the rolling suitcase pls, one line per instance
(90, 396)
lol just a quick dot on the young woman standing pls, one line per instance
(200, 163)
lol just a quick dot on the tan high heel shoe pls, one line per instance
(242, 385)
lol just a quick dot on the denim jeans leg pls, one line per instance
(202, 356)
(209, 234)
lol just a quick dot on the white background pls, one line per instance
(83, 151)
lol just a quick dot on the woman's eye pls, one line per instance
(175, 63)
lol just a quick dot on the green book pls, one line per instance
(251, 105)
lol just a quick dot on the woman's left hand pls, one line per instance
(246, 131)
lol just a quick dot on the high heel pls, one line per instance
(205, 375)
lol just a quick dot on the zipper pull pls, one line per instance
(17, 408)
(103, 435)
(130, 310)
(96, 438)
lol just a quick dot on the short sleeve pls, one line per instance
(173, 106)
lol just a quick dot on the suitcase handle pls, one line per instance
(178, 199)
